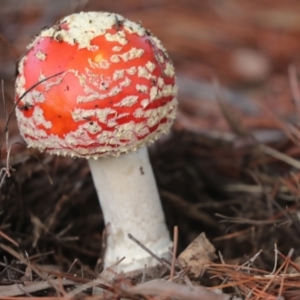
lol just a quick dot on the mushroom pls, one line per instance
(101, 87)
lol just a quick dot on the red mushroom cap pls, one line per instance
(97, 84)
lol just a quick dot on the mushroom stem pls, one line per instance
(130, 203)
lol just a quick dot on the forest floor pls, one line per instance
(229, 168)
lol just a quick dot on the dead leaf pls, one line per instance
(176, 291)
(197, 255)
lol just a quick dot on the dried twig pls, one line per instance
(161, 260)
(174, 252)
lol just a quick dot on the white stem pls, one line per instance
(130, 204)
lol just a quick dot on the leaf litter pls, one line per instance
(228, 173)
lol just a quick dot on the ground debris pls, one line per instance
(229, 167)
(197, 255)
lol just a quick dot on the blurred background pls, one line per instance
(237, 64)
(247, 46)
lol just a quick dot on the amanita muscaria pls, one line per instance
(102, 87)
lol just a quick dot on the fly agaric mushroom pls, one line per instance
(101, 87)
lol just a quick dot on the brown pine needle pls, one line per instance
(5, 236)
